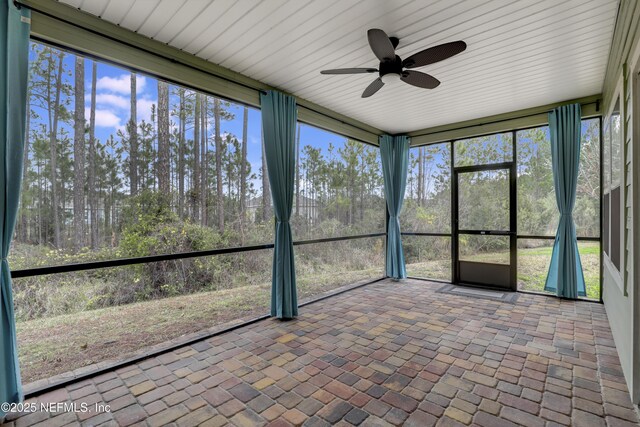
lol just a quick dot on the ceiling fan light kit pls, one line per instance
(390, 78)
(392, 68)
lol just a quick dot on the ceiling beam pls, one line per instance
(520, 119)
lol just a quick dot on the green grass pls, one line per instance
(51, 345)
(533, 265)
(433, 269)
(56, 344)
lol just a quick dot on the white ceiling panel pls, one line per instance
(520, 54)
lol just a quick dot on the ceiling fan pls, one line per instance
(393, 68)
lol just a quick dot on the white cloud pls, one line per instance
(112, 100)
(121, 84)
(104, 118)
(144, 109)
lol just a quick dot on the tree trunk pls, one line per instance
(53, 143)
(40, 196)
(266, 191)
(425, 176)
(133, 139)
(243, 174)
(181, 156)
(195, 178)
(362, 175)
(24, 221)
(78, 157)
(93, 197)
(298, 172)
(163, 138)
(204, 161)
(220, 195)
(352, 191)
(420, 175)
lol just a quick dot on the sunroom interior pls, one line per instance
(209, 231)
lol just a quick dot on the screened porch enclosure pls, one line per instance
(167, 210)
(217, 226)
(484, 201)
(97, 242)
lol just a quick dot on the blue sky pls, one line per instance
(112, 112)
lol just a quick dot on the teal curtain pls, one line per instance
(565, 276)
(14, 59)
(279, 120)
(394, 152)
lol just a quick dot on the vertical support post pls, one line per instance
(454, 217)
(601, 209)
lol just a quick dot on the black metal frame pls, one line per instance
(513, 254)
(601, 209)
(68, 268)
(479, 135)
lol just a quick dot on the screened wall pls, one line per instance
(483, 202)
(145, 212)
(121, 166)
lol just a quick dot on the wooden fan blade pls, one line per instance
(380, 44)
(434, 54)
(416, 78)
(349, 71)
(373, 87)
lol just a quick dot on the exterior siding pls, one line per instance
(621, 300)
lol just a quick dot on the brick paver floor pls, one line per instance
(384, 354)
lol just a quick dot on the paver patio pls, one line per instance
(385, 354)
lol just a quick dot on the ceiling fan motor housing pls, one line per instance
(391, 66)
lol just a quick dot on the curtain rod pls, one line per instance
(597, 102)
(20, 5)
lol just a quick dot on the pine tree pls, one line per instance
(133, 138)
(420, 175)
(54, 114)
(181, 152)
(91, 173)
(243, 174)
(298, 171)
(26, 163)
(219, 191)
(196, 192)
(266, 191)
(204, 162)
(162, 169)
(78, 156)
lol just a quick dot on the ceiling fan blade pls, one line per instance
(416, 78)
(434, 54)
(349, 71)
(380, 44)
(373, 87)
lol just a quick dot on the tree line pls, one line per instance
(429, 183)
(77, 187)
